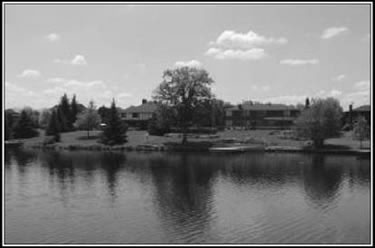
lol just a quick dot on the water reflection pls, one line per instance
(322, 180)
(111, 164)
(184, 195)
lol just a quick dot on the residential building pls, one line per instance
(261, 116)
(351, 115)
(139, 116)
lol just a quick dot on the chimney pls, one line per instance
(307, 103)
(144, 101)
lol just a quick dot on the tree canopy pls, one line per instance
(320, 121)
(25, 126)
(184, 89)
(88, 119)
(115, 131)
(361, 130)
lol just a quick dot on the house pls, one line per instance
(139, 116)
(351, 115)
(261, 116)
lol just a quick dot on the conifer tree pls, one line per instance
(73, 110)
(115, 131)
(53, 127)
(24, 127)
(65, 114)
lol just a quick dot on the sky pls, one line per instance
(269, 53)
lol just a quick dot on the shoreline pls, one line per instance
(189, 148)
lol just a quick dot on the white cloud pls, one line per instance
(231, 39)
(29, 73)
(124, 94)
(53, 37)
(244, 46)
(296, 62)
(339, 77)
(96, 90)
(260, 88)
(362, 85)
(333, 31)
(286, 99)
(191, 63)
(13, 93)
(56, 80)
(335, 93)
(250, 54)
(77, 60)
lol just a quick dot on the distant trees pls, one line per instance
(25, 127)
(88, 119)
(9, 123)
(162, 121)
(53, 127)
(209, 113)
(184, 89)
(44, 117)
(115, 131)
(361, 130)
(67, 113)
(320, 121)
(74, 110)
(104, 113)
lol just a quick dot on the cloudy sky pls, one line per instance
(277, 53)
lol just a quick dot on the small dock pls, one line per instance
(13, 143)
(237, 148)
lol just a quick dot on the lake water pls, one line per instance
(102, 197)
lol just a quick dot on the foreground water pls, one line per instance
(98, 197)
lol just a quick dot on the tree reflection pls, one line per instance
(61, 168)
(111, 164)
(183, 193)
(321, 181)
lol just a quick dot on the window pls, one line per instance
(135, 115)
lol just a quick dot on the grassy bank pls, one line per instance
(78, 140)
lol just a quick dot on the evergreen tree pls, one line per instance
(9, 123)
(65, 114)
(73, 110)
(61, 119)
(115, 131)
(25, 127)
(53, 127)
(8, 128)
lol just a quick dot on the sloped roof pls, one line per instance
(143, 108)
(363, 108)
(265, 107)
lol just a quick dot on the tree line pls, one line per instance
(66, 116)
(184, 100)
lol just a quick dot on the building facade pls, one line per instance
(261, 116)
(351, 116)
(139, 116)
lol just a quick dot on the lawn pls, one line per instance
(135, 138)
